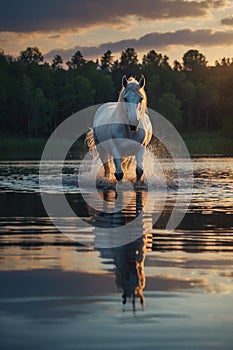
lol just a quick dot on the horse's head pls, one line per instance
(133, 96)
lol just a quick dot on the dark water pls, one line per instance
(57, 293)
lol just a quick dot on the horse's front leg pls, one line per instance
(119, 172)
(139, 161)
(117, 157)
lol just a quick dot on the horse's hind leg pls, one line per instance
(107, 170)
(104, 157)
(139, 161)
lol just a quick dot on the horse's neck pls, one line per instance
(143, 111)
(120, 113)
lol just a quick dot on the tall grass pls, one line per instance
(207, 143)
(23, 148)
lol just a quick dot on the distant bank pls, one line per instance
(28, 148)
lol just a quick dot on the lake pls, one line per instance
(162, 290)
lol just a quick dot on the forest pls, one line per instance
(36, 96)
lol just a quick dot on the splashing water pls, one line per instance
(158, 173)
(23, 175)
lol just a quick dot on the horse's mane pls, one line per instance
(135, 86)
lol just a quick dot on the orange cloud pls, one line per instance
(227, 21)
(185, 37)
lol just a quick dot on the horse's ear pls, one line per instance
(124, 81)
(142, 81)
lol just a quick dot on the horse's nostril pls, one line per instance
(133, 127)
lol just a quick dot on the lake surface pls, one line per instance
(56, 293)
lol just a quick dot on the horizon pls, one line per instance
(116, 57)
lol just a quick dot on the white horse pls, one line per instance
(122, 129)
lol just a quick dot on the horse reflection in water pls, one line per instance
(127, 252)
(130, 276)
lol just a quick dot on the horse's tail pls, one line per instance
(89, 140)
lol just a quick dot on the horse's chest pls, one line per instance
(124, 133)
(128, 142)
(137, 136)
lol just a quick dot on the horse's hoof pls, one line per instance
(139, 173)
(119, 176)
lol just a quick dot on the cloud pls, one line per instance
(156, 40)
(59, 15)
(228, 21)
(56, 36)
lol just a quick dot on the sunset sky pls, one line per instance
(94, 26)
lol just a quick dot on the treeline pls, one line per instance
(35, 96)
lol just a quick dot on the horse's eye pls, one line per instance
(141, 99)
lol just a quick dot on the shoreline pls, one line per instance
(203, 145)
